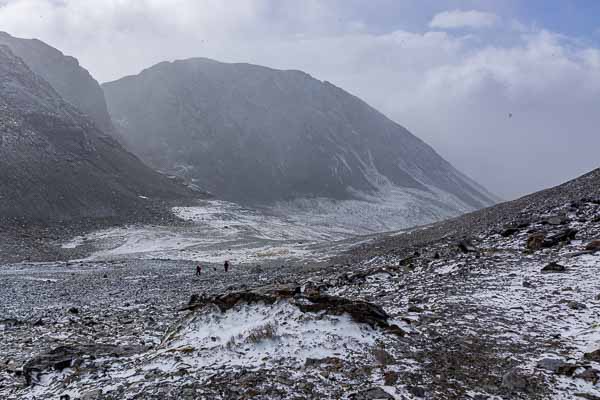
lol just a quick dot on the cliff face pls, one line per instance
(252, 133)
(72, 82)
(56, 164)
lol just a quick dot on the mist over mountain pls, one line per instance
(72, 82)
(255, 134)
(56, 164)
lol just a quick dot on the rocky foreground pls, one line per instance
(501, 304)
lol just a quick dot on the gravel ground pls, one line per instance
(479, 316)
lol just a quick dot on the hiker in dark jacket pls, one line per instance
(226, 266)
(198, 270)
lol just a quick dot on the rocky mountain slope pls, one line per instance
(250, 133)
(56, 164)
(510, 312)
(72, 82)
(513, 216)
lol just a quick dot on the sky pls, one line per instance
(508, 91)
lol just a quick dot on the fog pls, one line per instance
(507, 100)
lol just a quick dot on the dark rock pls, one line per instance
(589, 375)
(70, 356)
(372, 394)
(567, 369)
(415, 309)
(554, 267)
(529, 285)
(194, 299)
(466, 246)
(594, 245)
(508, 232)
(550, 364)
(562, 237)
(535, 241)
(10, 323)
(74, 310)
(556, 220)
(593, 356)
(257, 269)
(383, 357)
(557, 366)
(575, 305)
(406, 261)
(311, 289)
(587, 396)
(360, 311)
(315, 362)
(390, 378)
(416, 391)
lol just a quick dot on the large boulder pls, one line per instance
(69, 356)
(313, 302)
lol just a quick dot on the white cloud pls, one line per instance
(454, 90)
(463, 19)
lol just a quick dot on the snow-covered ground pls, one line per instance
(249, 335)
(220, 230)
(391, 209)
(478, 321)
(307, 229)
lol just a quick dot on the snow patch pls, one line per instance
(254, 334)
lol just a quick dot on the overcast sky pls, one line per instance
(506, 90)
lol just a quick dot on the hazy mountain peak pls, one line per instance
(56, 164)
(73, 82)
(252, 133)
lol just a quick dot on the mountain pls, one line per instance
(65, 75)
(254, 134)
(56, 164)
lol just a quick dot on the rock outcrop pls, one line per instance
(360, 311)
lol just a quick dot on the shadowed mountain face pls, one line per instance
(55, 163)
(250, 133)
(72, 82)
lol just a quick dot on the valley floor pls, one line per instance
(477, 319)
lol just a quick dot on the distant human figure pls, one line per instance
(198, 270)
(226, 266)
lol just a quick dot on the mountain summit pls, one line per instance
(255, 134)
